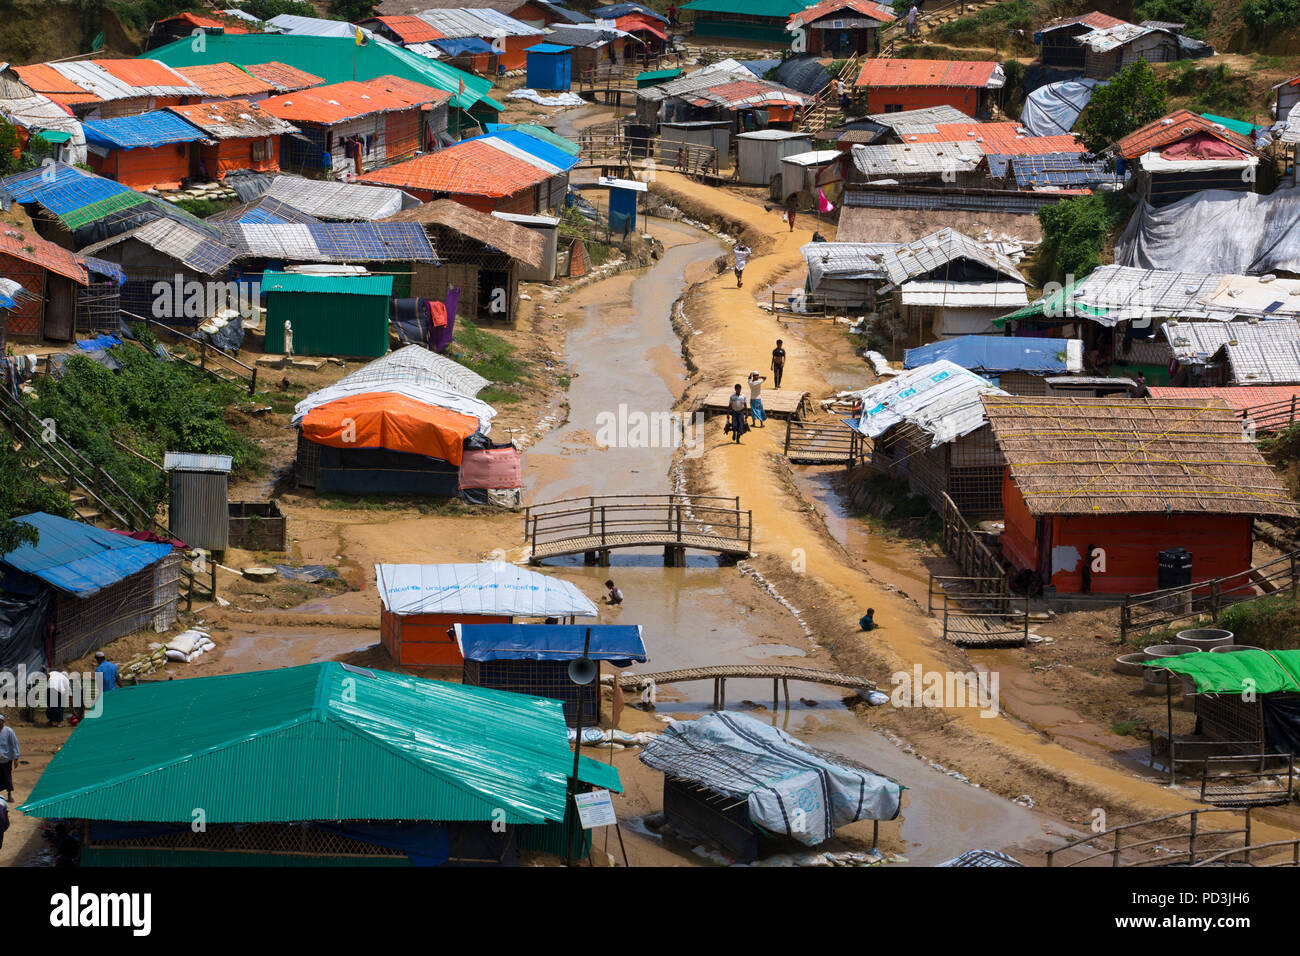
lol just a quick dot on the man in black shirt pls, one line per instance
(778, 364)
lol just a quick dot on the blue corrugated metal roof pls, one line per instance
(993, 353)
(145, 129)
(621, 644)
(80, 558)
(534, 147)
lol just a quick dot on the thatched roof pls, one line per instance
(1109, 456)
(518, 242)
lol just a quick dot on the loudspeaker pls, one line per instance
(582, 671)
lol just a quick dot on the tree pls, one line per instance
(21, 493)
(1133, 98)
(352, 10)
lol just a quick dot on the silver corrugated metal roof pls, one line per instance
(93, 78)
(1002, 295)
(846, 260)
(455, 24)
(1124, 293)
(724, 71)
(925, 120)
(343, 202)
(1199, 341)
(915, 159)
(936, 250)
(189, 461)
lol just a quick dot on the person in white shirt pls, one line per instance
(9, 754)
(911, 21)
(58, 695)
(756, 398)
(742, 257)
(612, 594)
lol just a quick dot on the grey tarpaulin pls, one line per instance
(22, 631)
(791, 789)
(1216, 231)
(1054, 109)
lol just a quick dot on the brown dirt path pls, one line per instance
(734, 336)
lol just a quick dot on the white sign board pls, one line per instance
(595, 809)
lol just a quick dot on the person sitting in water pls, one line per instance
(612, 594)
(868, 622)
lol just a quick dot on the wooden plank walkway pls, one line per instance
(777, 403)
(637, 539)
(747, 671)
(822, 443)
(970, 631)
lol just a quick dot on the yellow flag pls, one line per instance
(360, 38)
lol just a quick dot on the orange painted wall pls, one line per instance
(421, 640)
(965, 99)
(229, 155)
(401, 134)
(514, 58)
(1220, 544)
(145, 167)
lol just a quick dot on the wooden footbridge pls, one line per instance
(779, 674)
(596, 525)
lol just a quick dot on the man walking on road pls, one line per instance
(911, 21)
(778, 364)
(736, 408)
(742, 257)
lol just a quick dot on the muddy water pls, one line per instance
(624, 351)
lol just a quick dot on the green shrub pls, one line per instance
(1134, 97)
(1075, 232)
(22, 492)
(1195, 14)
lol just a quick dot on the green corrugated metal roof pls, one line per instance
(334, 58)
(602, 775)
(1060, 304)
(651, 77)
(318, 742)
(1237, 126)
(749, 8)
(345, 285)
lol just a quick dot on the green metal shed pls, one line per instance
(331, 315)
(276, 751)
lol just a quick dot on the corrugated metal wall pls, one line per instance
(199, 513)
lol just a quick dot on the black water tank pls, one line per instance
(1174, 568)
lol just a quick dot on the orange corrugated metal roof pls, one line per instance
(284, 77)
(47, 81)
(876, 11)
(41, 252)
(411, 29)
(1094, 19)
(337, 102)
(632, 22)
(229, 24)
(140, 72)
(1170, 129)
(1001, 138)
(224, 79)
(886, 71)
(417, 94)
(1238, 397)
(472, 167)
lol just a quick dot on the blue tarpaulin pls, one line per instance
(620, 644)
(145, 129)
(994, 353)
(462, 45)
(80, 558)
(534, 147)
(102, 267)
(99, 343)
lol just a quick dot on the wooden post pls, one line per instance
(1247, 834)
(602, 524)
(776, 699)
(1114, 856)
(1191, 838)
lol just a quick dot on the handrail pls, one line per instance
(604, 517)
(1249, 851)
(1193, 833)
(204, 349)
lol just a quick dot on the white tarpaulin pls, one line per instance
(1216, 231)
(559, 99)
(789, 788)
(941, 398)
(491, 588)
(1054, 109)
